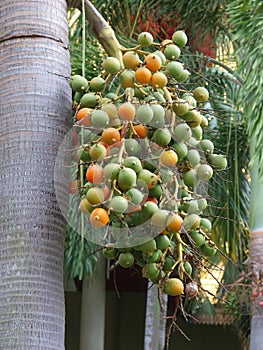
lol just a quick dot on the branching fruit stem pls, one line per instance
(101, 29)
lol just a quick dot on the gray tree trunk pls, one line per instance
(256, 257)
(93, 310)
(35, 102)
(155, 322)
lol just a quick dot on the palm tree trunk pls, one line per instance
(256, 257)
(35, 102)
(155, 323)
(92, 322)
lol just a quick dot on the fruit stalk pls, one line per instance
(101, 29)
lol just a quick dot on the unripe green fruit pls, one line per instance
(109, 253)
(192, 207)
(89, 100)
(126, 259)
(79, 83)
(207, 146)
(135, 196)
(131, 60)
(127, 78)
(182, 132)
(159, 97)
(179, 38)
(156, 191)
(198, 238)
(168, 263)
(77, 96)
(133, 163)
(95, 195)
(139, 94)
(134, 219)
(193, 157)
(158, 115)
(148, 209)
(97, 84)
(193, 142)
(183, 76)
(144, 114)
(150, 271)
(132, 147)
(148, 247)
(97, 151)
(204, 122)
(190, 99)
(202, 204)
(205, 225)
(172, 52)
(111, 95)
(160, 218)
(180, 149)
(148, 177)
(204, 172)
(218, 161)
(180, 107)
(126, 179)
(161, 55)
(118, 204)
(99, 119)
(157, 122)
(207, 249)
(111, 171)
(84, 206)
(111, 65)
(175, 69)
(188, 268)
(104, 101)
(145, 39)
(154, 258)
(84, 155)
(162, 242)
(198, 132)
(87, 186)
(193, 118)
(191, 222)
(162, 137)
(201, 94)
(190, 178)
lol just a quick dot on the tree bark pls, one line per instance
(155, 323)
(93, 310)
(256, 248)
(35, 103)
(256, 258)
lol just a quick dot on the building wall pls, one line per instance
(73, 306)
(124, 329)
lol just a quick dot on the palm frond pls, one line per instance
(247, 21)
(231, 190)
(80, 256)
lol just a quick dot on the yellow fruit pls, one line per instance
(131, 60)
(174, 287)
(95, 195)
(169, 158)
